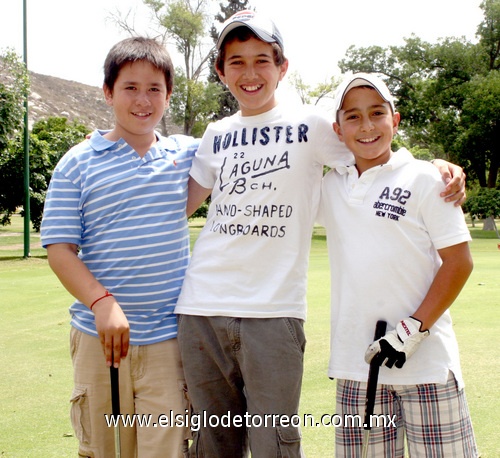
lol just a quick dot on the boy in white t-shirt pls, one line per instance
(242, 305)
(400, 254)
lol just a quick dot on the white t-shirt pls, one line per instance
(383, 230)
(251, 258)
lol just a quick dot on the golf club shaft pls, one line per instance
(115, 407)
(371, 389)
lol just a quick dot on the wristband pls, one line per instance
(107, 294)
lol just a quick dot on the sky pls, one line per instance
(70, 38)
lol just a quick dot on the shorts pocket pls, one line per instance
(80, 415)
(296, 329)
(188, 408)
(289, 441)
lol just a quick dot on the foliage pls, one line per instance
(489, 31)
(13, 89)
(11, 184)
(422, 154)
(183, 22)
(228, 105)
(49, 140)
(483, 202)
(202, 210)
(448, 93)
(193, 103)
(309, 94)
(479, 128)
(185, 25)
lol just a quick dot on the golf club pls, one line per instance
(115, 405)
(371, 389)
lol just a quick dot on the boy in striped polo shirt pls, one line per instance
(116, 234)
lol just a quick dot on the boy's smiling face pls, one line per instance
(251, 75)
(139, 99)
(367, 125)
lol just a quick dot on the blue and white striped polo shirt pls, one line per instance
(128, 216)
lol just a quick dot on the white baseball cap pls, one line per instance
(262, 26)
(362, 79)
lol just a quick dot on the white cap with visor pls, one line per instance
(262, 26)
(362, 79)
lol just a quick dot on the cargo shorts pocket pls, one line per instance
(80, 415)
(289, 441)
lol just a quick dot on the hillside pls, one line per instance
(51, 96)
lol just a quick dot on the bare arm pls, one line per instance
(399, 344)
(111, 323)
(454, 177)
(449, 281)
(196, 196)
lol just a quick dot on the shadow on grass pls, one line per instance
(21, 258)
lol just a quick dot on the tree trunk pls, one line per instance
(493, 173)
(489, 224)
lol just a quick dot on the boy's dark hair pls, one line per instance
(243, 34)
(138, 49)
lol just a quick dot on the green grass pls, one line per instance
(34, 356)
(36, 381)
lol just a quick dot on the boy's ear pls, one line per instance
(221, 75)
(108, 95)
(338, 131)
(396, 118)
(283, 69)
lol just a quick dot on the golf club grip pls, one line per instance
(115, 390)
(371, 389)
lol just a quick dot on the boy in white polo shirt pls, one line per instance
(399, 254)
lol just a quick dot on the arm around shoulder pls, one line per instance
(454, 177)
(196, 196)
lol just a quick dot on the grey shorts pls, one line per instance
(244, 377)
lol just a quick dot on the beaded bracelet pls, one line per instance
(107, 294)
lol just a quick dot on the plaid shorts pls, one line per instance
(434, 418)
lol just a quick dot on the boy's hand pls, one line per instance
(454, 177)
(113, 329)
(397, 345)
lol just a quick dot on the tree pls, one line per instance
(447, 93)
(13, 89)
(489, 33)
(228, 105)
(479, 127)
(484, 204)
(203, 100)
(49, 140)
(183, 22)
(307, 94)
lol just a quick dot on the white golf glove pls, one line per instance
(397, 345)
